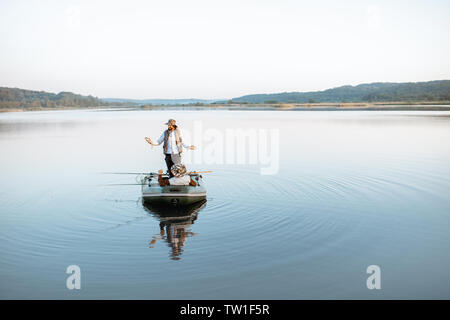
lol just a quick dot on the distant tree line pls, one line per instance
(372, 92)
(19, 98)
(14, 98)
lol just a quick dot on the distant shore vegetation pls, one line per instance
(373, 92)
(14, 98)
(363, 95)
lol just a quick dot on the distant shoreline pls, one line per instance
(376, 106)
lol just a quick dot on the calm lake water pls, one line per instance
(351, 189)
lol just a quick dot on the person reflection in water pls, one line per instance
(175, 227)
(175, 234)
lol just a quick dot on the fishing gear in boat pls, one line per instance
(155, 173)
(153, 192)
(179, 195)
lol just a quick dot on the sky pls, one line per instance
(211, 49)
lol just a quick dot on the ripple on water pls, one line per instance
(320, 211)
(255, 234)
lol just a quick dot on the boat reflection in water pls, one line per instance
(175, 223)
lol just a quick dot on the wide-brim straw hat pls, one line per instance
(171, 122)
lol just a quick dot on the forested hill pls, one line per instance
(13, 98)
(371, 92)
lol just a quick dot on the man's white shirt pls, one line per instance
(171, 142)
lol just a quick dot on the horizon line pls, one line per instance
(220, 99)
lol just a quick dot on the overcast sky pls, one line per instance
(219, 49)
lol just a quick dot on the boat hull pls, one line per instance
(152, 192)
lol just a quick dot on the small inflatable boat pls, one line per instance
(152, 192)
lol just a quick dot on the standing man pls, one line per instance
(173, 144)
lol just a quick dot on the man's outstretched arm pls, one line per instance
(160, 140)
(185, 145)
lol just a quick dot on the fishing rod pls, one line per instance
(154, 173)
(135, 173)
(151, 174)
(123, 184)
(195, 172)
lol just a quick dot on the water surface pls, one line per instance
(353, 189)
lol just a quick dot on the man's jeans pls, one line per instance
(172, 159)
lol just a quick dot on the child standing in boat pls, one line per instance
(173, 144)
